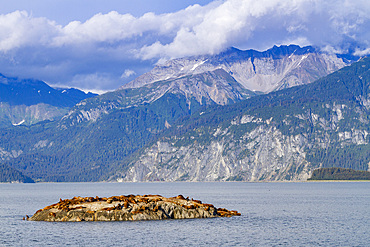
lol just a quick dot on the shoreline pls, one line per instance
(144, 182)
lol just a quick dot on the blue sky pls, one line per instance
(65, 11)
(99, 45)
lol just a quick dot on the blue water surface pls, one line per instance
(273, 214)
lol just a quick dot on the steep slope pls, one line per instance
(274, 69)
(284, 135)
(30, 101)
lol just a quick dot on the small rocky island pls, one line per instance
(129, 208)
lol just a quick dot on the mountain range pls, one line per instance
(281, 136)
(237, 115)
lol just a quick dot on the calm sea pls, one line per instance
(273, 214)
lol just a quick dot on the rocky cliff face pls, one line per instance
(274, 69)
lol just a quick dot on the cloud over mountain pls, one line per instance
(99, 53)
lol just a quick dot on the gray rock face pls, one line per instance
(129, 208)
(240, 152)
(275, 69)
(262, 154)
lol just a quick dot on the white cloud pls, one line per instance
(364, 52)
(128, 73)
(91, 54)
(85, 81)
(250, 23)
(18, 29)
(110, 27)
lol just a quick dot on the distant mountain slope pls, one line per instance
(89, 150)
(29, 92)
(225, 78)
(29, 101)
(274, 69)
(284, 135)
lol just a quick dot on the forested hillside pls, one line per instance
(336, 173)
(11, 175)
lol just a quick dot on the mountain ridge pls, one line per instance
(239, 70)
(265, 71)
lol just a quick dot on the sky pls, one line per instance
(98, 45)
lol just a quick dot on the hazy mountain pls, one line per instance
(28, 101)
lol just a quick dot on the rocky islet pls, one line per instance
(129, 208)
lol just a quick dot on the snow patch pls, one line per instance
(302, 58)
(292, 54)
(21, 122)
(197, 65)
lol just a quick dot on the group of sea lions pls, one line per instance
(130, 207)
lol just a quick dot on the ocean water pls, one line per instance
(273, 214)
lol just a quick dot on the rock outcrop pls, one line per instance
(129, 208)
